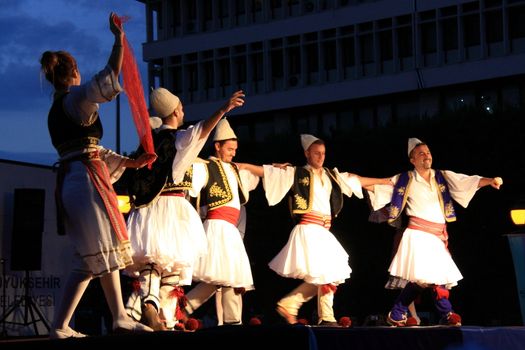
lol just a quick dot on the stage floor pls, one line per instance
(295, 337)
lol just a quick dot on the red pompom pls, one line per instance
(255, 321)
(302, 321)
(412, 322)
(453, 319)
(179, 327)
(345, 321)
(193, 324)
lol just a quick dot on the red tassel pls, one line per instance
(328, 288)
(178, 292)
(239, 290)
(441, 292)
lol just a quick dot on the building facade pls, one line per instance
(323, 65)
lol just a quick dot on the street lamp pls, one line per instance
(517, 213)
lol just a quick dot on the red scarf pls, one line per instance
(134, 90)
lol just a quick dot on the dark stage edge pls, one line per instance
(295, 337)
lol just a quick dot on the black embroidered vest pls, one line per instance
(66, 134)
(147, 184)
(302, 192)
(217, 191)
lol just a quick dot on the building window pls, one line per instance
(190, 16)
(366, 46)
(517, 28)
(386, 51)
(224, 75)
(207, 15)
(330, 60)
(157, 26)
(471, 36)
(276, 9)
(239, 64)
(192, 77)
(257, 67)
(209, 81)
(293, 8)
(276, 61)
(429, 43)
(404, 43)
(240, 12)
(223, 12)
(175, 18)
(293, 61)
(256, 11)
(494, 32)
(347, 48)
(449, 30)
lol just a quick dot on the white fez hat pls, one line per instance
(223, 131)
(412, 143)
(307, 140)
(163, 102)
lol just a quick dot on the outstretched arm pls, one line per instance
(236, 100)
(117, 53)
(369, 182)
(256, 170)
(495, 182)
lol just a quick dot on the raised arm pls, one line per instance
(117, 53)
(236, 100)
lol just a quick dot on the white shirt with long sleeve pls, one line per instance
(169, 231)
(312, 252)
(227, 263)
(423, 257)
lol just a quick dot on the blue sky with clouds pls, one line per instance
(30, 27)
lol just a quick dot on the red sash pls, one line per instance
(439, 230)
(225, 213)
(99, 174)
(317, 219)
